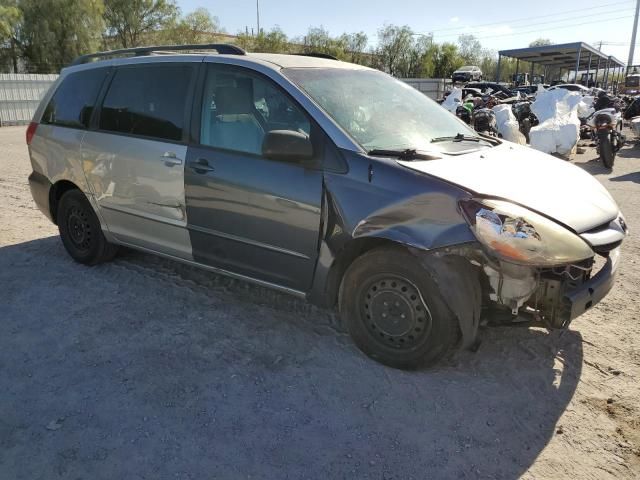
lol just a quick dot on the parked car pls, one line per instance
(573, 87)
(468, 73)
(325, 180)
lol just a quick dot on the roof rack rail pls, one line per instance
(221, 48)
(317, 55)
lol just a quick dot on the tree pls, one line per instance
(318, 40)
(394, 48)
(131, 20)
(274, 41)
(355, 45)
(540, 42)
(10, 19)
(198, 26)
(447, 60)
(54, 32)
(470, 49)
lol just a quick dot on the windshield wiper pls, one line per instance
(406, 154)
(457, 138)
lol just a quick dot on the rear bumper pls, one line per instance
(581, 299)
(40, 187)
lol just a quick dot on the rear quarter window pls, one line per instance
(74, 100)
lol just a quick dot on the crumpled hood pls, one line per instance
(549, 185)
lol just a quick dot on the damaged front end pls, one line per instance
(554, 296)
(537, 268)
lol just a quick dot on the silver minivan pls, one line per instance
(326, 180)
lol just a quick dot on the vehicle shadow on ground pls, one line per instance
(144, 367)
(629, 177)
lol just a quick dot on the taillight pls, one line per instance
(31, 130)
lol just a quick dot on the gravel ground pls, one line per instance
(144, 368)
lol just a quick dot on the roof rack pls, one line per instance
(317, 55)
(221, 48)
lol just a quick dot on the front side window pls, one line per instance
(149, 101)
(74, 100)
(378, 111)
(239, 108)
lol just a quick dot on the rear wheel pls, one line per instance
(394, 311)
(605, 147)
(80, 230)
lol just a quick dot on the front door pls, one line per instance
(134, 159)
(247, 214)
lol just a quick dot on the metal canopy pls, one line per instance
(574, 57)
(566, 55)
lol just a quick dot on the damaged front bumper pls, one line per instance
(582, 298)
(553, 297)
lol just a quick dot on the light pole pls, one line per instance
(258, 14)
(633, 36)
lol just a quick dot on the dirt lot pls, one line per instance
(144, 368)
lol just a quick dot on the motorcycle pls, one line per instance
(484, 121)
(606, 128)
(526, 118)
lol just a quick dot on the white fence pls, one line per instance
(433, 88)
(20, 94)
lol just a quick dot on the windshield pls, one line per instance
(378, 111)
(465, 69)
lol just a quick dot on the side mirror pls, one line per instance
(287, 146)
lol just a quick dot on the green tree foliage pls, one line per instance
(446, 60)
(318, 40)
(273, 41)
(394, 51)
(540, 42)
(10, 17)
(355, 45)
(199, 26)
(134, 22)
(10, 20)
(54, 32)
(470, 49)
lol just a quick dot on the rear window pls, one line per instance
(149, 101)
(73, 102)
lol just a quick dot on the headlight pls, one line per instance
(518, 235)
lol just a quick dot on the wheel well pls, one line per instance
(345, 257)
(55, 194)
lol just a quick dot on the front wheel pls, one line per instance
(605, 147)
(80, 230)
(394, 311)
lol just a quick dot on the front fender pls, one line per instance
(425, 221)
(377, 202)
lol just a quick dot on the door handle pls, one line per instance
(201, 165)
(170, 159)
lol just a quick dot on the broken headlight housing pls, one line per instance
(518, 235)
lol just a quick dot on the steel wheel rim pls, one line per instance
(79, 228)
(394, 312)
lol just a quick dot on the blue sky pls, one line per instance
(498, 24)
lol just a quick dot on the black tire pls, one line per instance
(394, 311)
(80, 230)
(526, 128)
(607, 155)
